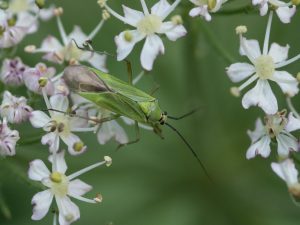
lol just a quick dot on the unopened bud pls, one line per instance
(30, 48)
(4, 5)
(235, 91)
(211, 4)
(58, 11)
(128, 36)
(108, 161)
(241, 29)
(101, 3)
(177, 20)
(43, 82)
(40, 3)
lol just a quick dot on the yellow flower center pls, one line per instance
(264, 66)
(150, 24)
(61, 124)
(59, 185)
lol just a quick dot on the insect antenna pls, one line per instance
(183, 116)
(191, 149)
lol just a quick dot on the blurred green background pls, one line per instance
(158, 182)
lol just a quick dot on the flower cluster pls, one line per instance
(266, 65)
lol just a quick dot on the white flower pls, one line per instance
(14, 29)
(205, 7)
(61, 187)
(264, 67)
(40, 77)
(287, 171)
(12, 72)
(285, 11)
(59, 125)
(148, 25)
(275, 128)
(14, 109)
(106, 130)
(8, 139)
(68, 51)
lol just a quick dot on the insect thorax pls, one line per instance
(152, 111)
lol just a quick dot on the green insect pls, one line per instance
(121, 98)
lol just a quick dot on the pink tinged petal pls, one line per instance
(124, 47)
(59, 103)
(286, 144)
(111, 130)
(60, 162)
(132, 16)
(195, 12)
(52, 140)
(152, 48)
(78, 35)
(160, 8)
(38, 170)
(172, 31)
(240, 71)
(41, 203)
(78, 188)
(258, 132)
(287, 83)
(261, 147)
(46, 14)
(12, 36)
(262, 96)
(287, 171)
(263, 9)
(286, 13)
(293, 123)
(252, 48)
(201, 11)
(278, 53)
(98, 61)
(68, 211)
(39, 119)
(52, 47)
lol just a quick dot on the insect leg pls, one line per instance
(137, 131)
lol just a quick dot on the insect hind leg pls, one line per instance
(137, 132)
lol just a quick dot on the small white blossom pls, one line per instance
(285, 11)
(287, 171)
(40, 77)
(68, 51)
(148, 24)
(61, 187)
(205, 7)
(60, 125)
(275, 128)
(12, 72)
(264, 68)
(8, 139)
(14, 109)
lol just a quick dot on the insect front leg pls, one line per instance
(137, 131)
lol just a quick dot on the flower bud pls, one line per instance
(108, 160)
(40, 3)
(235, 91)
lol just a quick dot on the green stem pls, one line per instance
(241, 10)
(4, 207)
(215, 43)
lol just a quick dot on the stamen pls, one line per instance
(172, 7)
(83, 129)
(248, 82)
(138, 77)
(57, 77)
(287, 62)
(96, 30)
(145, 8)
(93, 201)
(118, 16)
(267, 36)
(292, 108)
(55, 219)
(242, 41)
(85, 170)
(62, 31)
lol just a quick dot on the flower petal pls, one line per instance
(39, 119)
(286, 143)
(160, 8)
(261, 147)
(38, 170)
(41, 203)
(261, 95)
(132, 16)
(60, 162)
(286, 13)
(250, 48)
(68, 211)
(52, 140)
(278, 53)
(172, 31)
(240, 71)
(287, 171)
(110, 130)
(287, 83)
(124, 47)
(78, 188)
(98, 61)
(59, 103)
(70, 140)
(293, 123)
(258, 132)
(152, 47)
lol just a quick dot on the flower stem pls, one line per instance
(4, 207)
